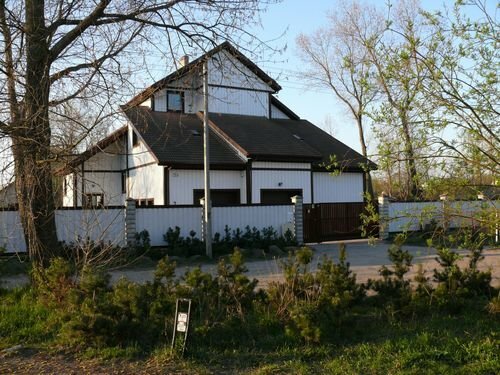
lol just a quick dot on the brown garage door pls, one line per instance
(332, 221)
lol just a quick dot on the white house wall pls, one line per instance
(280, 165)
(146, 182)
(346, 187)
(8, 196)
(140, 154)
(278, 114)
(225, 70)
(183, 182)
(279, 179)
(239, 102)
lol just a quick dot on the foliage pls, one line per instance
(394, 291)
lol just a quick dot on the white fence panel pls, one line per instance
(11, 232)
(254, 216)
(157, 221)
(411, 216)
(107, 225)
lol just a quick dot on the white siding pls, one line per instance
(11, 232)
(146, 103)
(288, 179)
(274, 164)
(68, 190)
(254, 216)
(157, 221)
(139, 154)
(182, 183)
(239, 102)
(146, 182)
(107, 225)
(277, 113)
(345, 187)
(225, 70)
(8, 195)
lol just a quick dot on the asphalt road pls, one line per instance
(365, 260)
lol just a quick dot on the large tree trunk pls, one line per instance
(364, 151)
(31, 144)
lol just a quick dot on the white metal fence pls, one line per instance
(414, 216)
(108, 224)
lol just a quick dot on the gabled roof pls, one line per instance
(262, 139)
(98, 147)
(176, 139)
(226, 46)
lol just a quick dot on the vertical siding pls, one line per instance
(289, 180)
(278, 114)
(157, 221)
(239, 102)
(11, 232)
(346, 187)
(107, 225)
(225, 70)
(147, 182)
(183, 182)
(254, 216)
(161, 101)
(274, 164)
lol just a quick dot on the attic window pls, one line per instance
(298, 137)
(175, 101)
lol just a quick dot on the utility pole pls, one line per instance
(207, 212)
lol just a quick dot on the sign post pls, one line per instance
(181, 323)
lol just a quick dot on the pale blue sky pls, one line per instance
(293, 17)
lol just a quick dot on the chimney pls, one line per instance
(184, 60)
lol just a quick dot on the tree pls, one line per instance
(62, 51)
(337, 60)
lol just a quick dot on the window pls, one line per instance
(175, 101)
(219, 197)
(93, 200)
(278, 196)
(143, 202)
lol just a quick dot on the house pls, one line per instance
(261, 152)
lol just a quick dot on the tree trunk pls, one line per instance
(364, 151)
(31, 144)
(413, 188)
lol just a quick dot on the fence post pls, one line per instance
(298, 219)
(383, 211)
(130, 227)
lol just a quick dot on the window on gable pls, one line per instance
(175, 101)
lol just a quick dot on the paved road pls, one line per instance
(365, 260)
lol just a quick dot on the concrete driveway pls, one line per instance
(365, 260)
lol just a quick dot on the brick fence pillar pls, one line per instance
(298, 219)
(130, 222)
(383, 212)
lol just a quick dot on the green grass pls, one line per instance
(369, 343)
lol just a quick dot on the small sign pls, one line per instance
(182, 317)
(181, 326)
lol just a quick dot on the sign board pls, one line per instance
(181, 323)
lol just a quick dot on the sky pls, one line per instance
(288, 19)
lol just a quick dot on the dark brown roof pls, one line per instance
(177, 139)
(262, 139)
(325, 144)
(196, 64)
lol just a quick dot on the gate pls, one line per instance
(332, 221)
